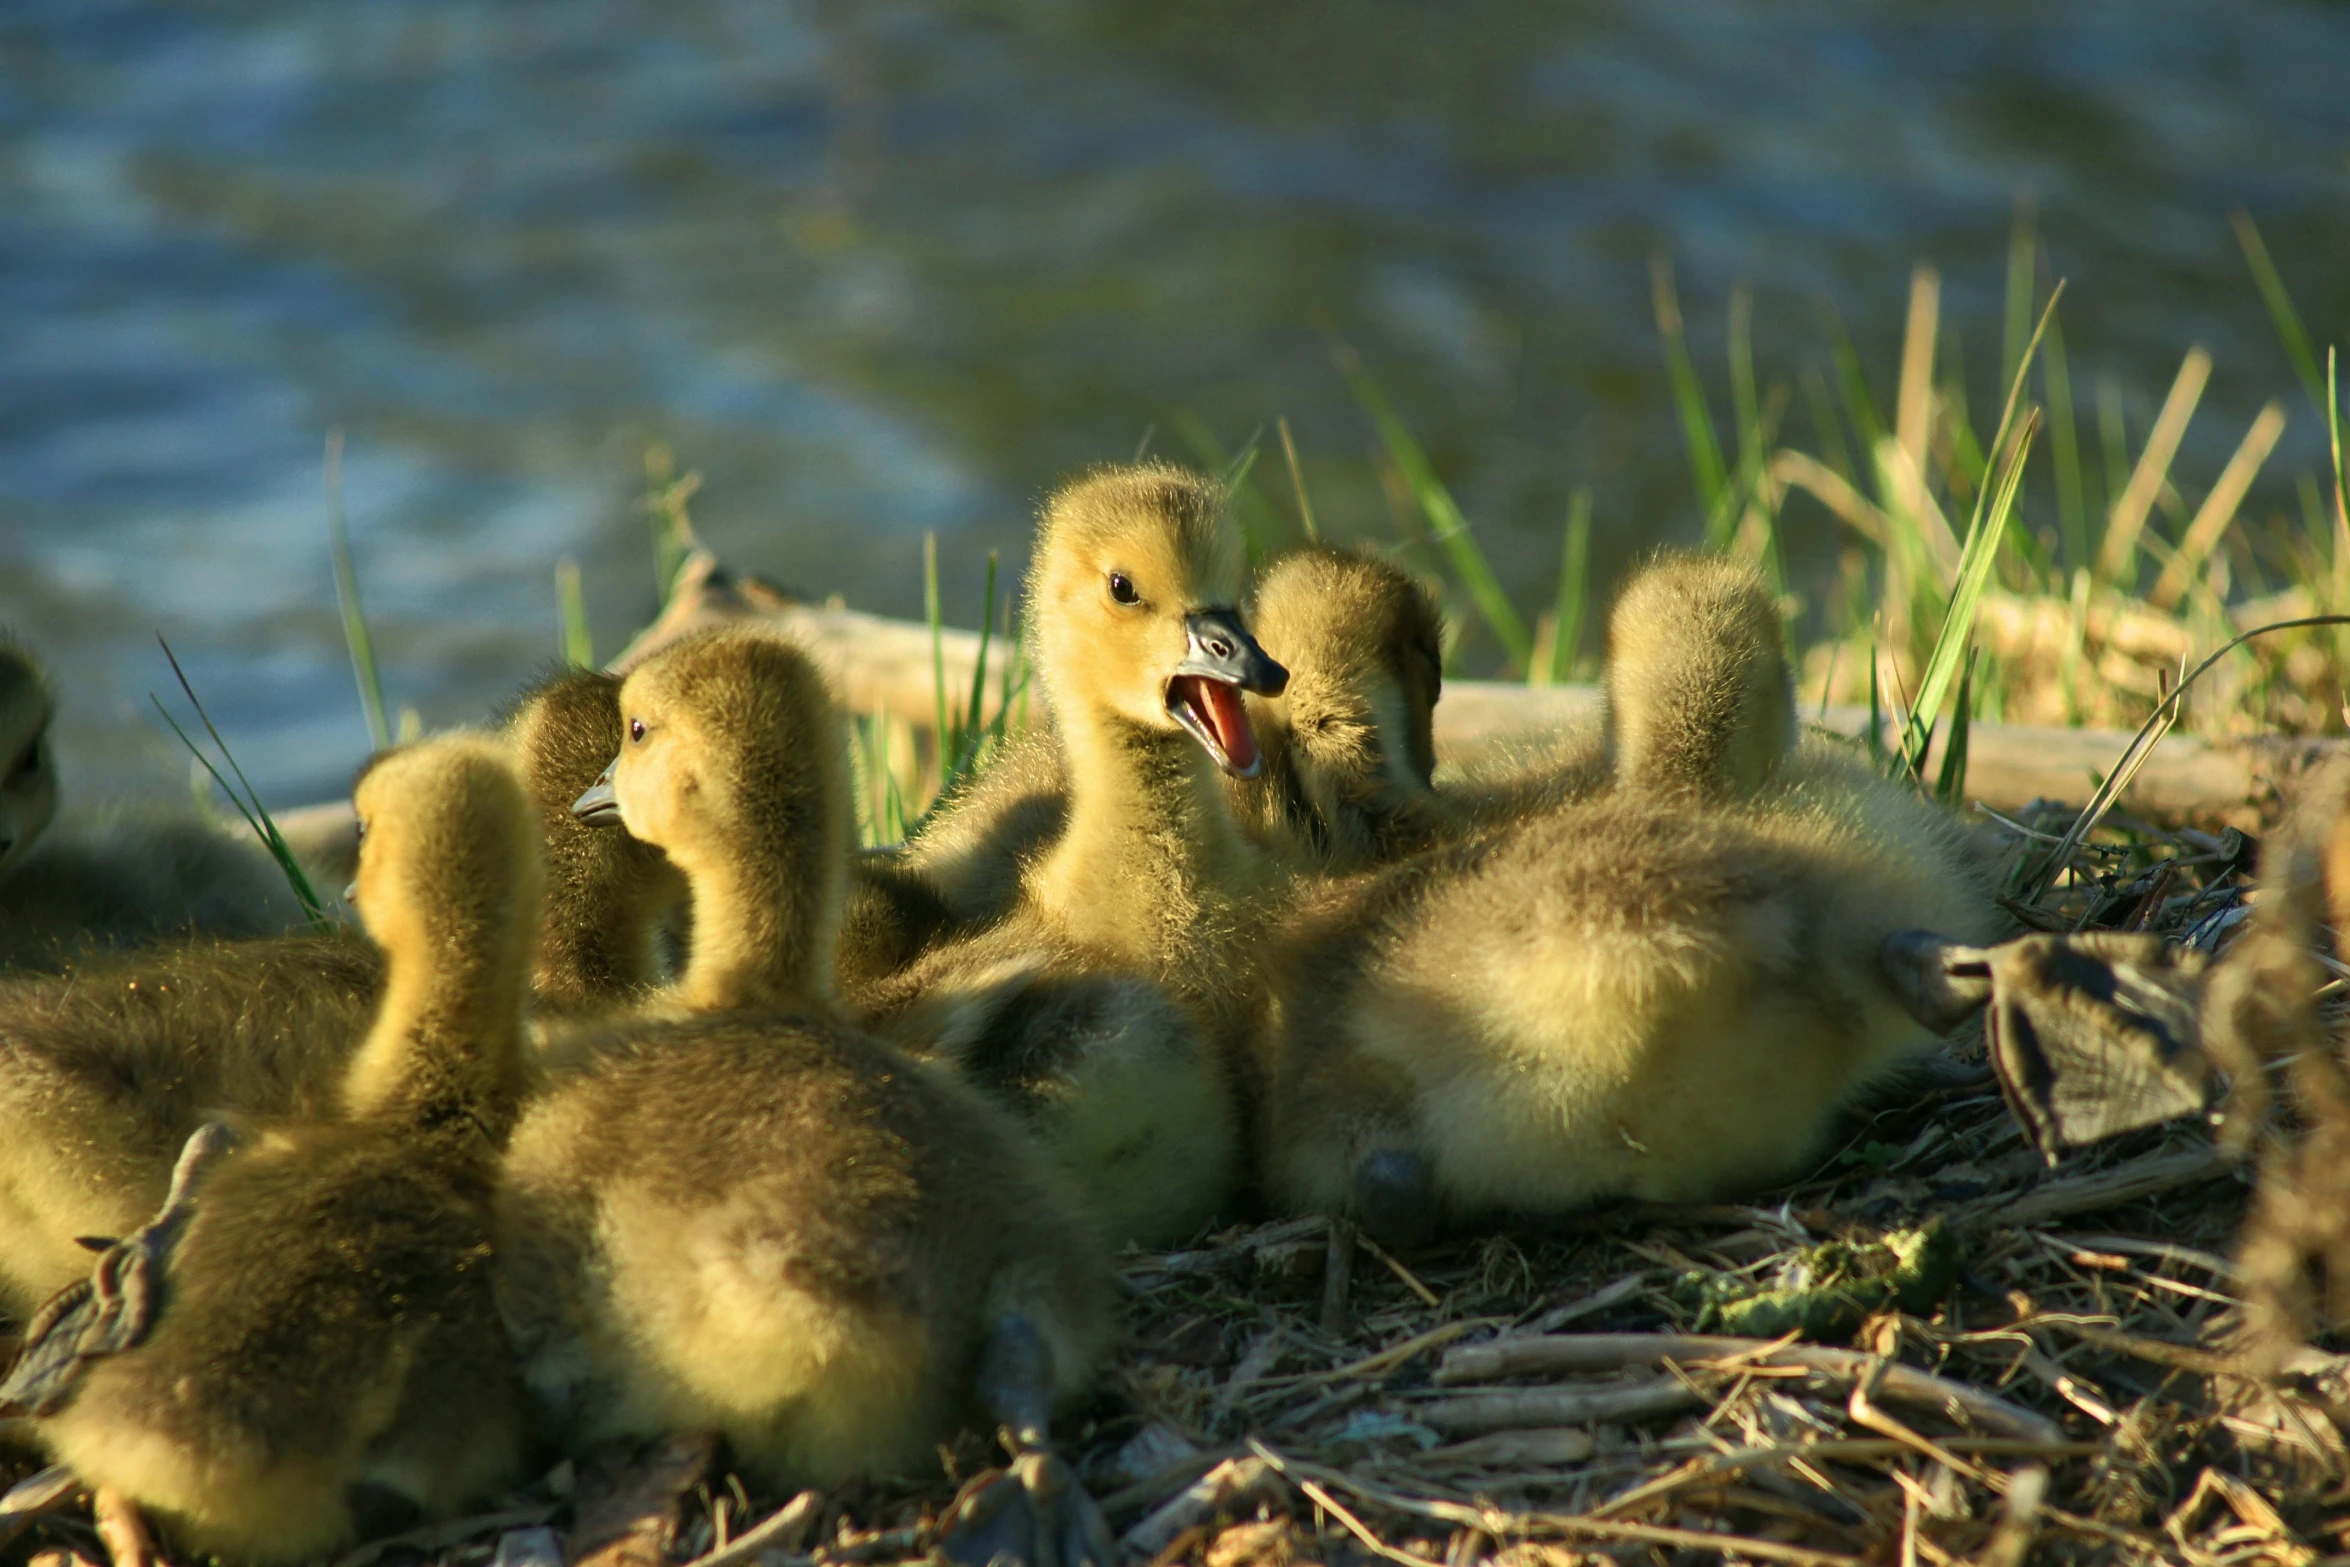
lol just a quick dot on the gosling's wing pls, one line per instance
(118, 1305)
(2096, 1034)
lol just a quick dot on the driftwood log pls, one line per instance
(883, 666)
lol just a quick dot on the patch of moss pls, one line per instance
(1827, 1291)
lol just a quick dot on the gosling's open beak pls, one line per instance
(599, 806)
(1203, 695)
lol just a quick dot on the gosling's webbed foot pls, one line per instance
(1034, 1514)
(117, 1306)
(1395, 1198)
(2097, 1034)
(2091, 1035)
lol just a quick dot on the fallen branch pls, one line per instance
(884, 666)
(1520, 1525)
(1537, 1354)
(2105, 1189)
(1527, 1408)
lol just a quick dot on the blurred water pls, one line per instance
(877, 269)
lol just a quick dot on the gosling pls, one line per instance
(114, 877)
(105, 1071)
(736, 1213)
(1150, 887)
(1662, 990)
(329, 1324)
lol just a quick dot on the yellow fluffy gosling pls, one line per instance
(740, 1214)
(327, 1323)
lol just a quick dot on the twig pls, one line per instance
(1831, 1450)
(785, 1528)
(1410, 1280)
(433, 1539)
(1520, 1408)
(1331, 1505)
(1498, 1523)
(1597, 1301)
(2105, 1189)
(35, 1497)
(1338, 1260)
(1532, 1354)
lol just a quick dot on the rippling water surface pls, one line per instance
(878, 269)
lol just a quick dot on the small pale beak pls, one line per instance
(351, 894)
(599, 806)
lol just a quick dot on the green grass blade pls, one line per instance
(938, 657)
(861, 777)
(1985, 530)
(1876, 734)
(1825, 425)
(1860, 406)
(1745, 406)
(2064, 450)
(355, 637)
(1983, 538)
(1448, 527)
(1260, 522)
(2023, 250)
(1697, 421)
(893, 803)
(664, 506)
(1950, 785)
(1297, 482)
(970, 736)
(2334, 440)
(249, 804)
(2273, 294)
(579, 647)
(2142, 746)
(1142, 448)
(1566, 616)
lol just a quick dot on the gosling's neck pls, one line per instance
(446, 1050)
(766, 923)
(1152, 863)
(593, 950)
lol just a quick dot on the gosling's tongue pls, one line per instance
(1219, 707)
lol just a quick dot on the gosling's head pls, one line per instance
(448, 857)
(1364, 644)
(28, 770)
(731, 747)
(563, 733)
(1701, 699)
(603, 888)
(1132, 601)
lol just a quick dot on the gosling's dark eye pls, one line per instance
(1122, 588)
(636, 729)
(27, 764)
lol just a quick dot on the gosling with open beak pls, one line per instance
(1203, 695)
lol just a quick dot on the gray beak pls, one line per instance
(1221, 649)
(599, 806)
